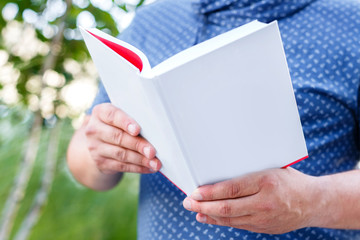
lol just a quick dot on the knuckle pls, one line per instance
(118, 137)
(225, 209)
(110, 115)
(122, 168)
(100, 162)
(209, 192)
(91, 146)
(269, 181)
(120, 154)
(227, 221)
(90, 130)
(233, 190)
(138, 144)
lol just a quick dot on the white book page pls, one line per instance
(234, 109)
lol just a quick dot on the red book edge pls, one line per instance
(295, 161)
(172, 182)
(129, 55)
(282, 168)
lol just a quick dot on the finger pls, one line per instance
(128, 156)
(235, 188)
(110, 165)
(222, 208)
(114, 116)
(121, 138)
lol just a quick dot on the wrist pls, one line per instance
(324, 210)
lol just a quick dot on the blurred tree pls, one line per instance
(44, 67)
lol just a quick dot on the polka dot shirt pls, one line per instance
(322, 44)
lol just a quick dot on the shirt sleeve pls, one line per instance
(101, 97)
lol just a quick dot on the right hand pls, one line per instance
(115, 145)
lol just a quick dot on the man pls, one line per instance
(317, 199)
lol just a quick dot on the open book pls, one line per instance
(217, 110)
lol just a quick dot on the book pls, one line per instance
(220, 109)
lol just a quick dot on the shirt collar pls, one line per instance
(238, 12)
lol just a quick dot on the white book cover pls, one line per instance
(218, 110)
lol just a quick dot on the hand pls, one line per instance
(115, 145)
(273, 201)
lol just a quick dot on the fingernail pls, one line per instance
(187, 204)
(202, 218)
(153, 165)
(132, 128)
(147, 151)
(196, 195)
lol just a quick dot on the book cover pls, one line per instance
(217, 110)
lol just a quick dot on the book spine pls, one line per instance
(175, 129)
(175, 165)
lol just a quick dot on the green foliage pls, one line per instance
(72, 211)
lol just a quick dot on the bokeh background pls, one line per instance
(47, 81)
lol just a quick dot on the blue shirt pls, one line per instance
(322, 44)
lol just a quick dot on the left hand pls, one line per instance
(272, 201)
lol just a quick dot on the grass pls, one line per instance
(72, 211)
